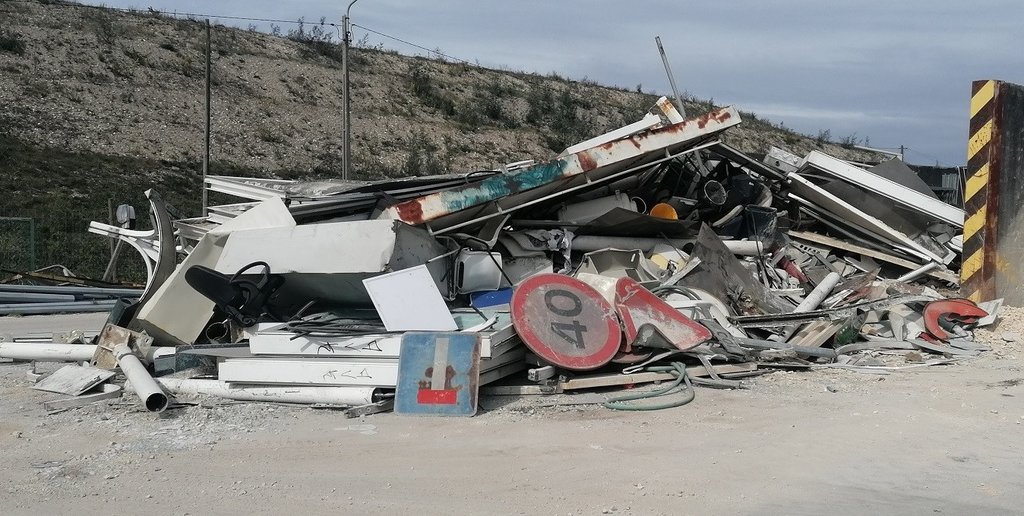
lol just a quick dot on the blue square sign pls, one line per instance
(438, 374)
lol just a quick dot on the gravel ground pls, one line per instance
(943, 439)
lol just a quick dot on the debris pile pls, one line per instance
(656, 253)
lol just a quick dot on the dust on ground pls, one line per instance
(942, 439)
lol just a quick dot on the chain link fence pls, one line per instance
(36, 239)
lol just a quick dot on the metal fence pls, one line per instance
(36, 239)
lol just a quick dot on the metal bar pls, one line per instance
(73, 290)
(232, 186)
(206, 131)
(26, 297)
(53, 308)
(671, 78)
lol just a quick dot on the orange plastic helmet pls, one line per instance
(664, 211)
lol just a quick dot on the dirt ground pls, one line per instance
(943, 439)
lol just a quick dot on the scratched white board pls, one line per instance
(309, 371)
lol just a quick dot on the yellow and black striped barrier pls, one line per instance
(993, 194)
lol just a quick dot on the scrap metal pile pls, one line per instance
(655, 253)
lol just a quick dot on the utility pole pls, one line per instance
(206, 145)
(346, 117)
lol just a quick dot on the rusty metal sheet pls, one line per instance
(566, 322)
(504, 193)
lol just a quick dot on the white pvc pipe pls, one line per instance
(588, 243)
(819, 293)
(812, 301)
(47, 352)
(147, 389)
(328, 395)
(918, 272)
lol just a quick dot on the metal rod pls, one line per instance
(671, 78)
(53, 308)
(73, 289)
(47, 352)
(206, 132)
(27, 297)
(145, 387)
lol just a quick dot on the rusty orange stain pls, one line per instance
(410, 211)
(587, 162)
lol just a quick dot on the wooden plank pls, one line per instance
(943, 275)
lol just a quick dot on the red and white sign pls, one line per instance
(638, 306)
(565, 322)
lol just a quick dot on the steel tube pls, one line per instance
(53, 308)
(350, 396)
(588, 243)
(145, 387)
(31, 297)
(47, 352)
(72, 289)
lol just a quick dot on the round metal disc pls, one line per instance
(565, 321)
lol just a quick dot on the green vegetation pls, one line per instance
(10, 43)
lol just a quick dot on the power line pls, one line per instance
(936, 158)
(442, 54)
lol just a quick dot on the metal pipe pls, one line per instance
(671, 78)
(588, 243)
(73, 290)
(918, 272)
(47, 352)
(206, 127)
(310, 394)
(819, 293)
(30, 297)
(53, 308)
(145, 387)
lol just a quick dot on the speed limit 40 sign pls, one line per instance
(565, 321)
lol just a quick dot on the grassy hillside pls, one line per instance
(100, 105)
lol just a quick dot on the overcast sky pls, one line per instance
(897, 72)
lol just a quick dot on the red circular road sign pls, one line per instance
(565, 321)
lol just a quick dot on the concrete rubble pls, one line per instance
(655, 254)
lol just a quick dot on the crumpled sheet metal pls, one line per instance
(521, 188)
